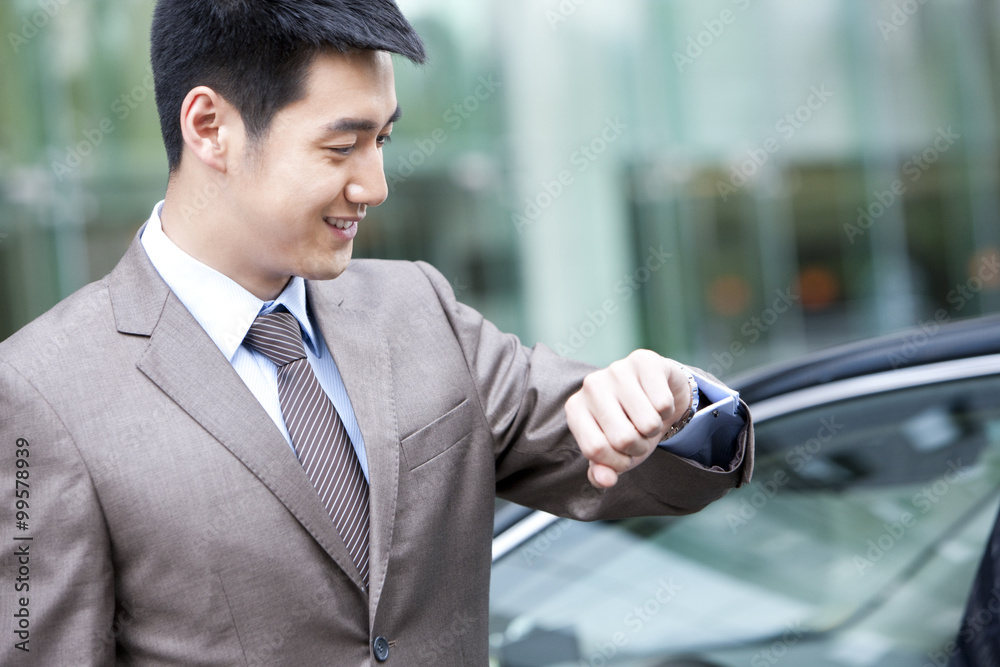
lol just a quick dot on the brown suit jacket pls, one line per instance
(171, 524)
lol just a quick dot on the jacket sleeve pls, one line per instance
(522, 393)
(57, 605)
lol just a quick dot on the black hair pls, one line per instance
(256, 53)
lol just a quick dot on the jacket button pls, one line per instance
(381, 649)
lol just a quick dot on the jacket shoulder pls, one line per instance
(370, 284)
(86, 310)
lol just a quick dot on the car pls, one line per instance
(876, 486)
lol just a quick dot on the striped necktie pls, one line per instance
(318, 435)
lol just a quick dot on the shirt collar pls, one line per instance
(223, 308)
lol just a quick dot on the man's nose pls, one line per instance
(367, 185)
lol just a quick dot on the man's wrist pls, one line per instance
(692, 408)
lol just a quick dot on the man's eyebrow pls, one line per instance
(361, 124)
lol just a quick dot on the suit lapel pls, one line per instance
(362, 357)
(184, 362)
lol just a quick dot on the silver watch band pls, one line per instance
(692, 407)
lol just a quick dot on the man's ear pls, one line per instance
(212, 128)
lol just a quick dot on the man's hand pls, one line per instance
(622, 413)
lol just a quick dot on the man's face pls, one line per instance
(302, 193)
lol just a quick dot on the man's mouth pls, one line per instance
(344, 228)
(341, 223)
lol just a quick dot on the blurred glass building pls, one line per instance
(728, 182)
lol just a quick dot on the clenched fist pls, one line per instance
(623, 412)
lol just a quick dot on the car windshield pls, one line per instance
(856, 544)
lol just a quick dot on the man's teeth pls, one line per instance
(342, 224)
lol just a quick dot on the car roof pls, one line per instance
(931, 342)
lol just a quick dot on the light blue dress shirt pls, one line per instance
(225, 310)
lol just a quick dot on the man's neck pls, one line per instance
(197, 220)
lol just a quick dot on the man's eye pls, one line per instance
(383, 140)
(342, 151)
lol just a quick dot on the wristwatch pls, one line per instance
(692, 407)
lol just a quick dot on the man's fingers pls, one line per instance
(617, 401)
(601, 477)
(640, 408)
(666, 386)
(621, 413)
(591, 439)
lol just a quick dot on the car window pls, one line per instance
(855, 544)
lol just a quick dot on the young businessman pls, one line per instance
(239, 449)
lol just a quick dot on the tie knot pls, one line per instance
(277, 337)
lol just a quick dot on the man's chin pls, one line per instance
(327, 272)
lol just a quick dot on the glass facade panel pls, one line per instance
(728, 182)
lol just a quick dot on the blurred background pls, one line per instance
(729, 182)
